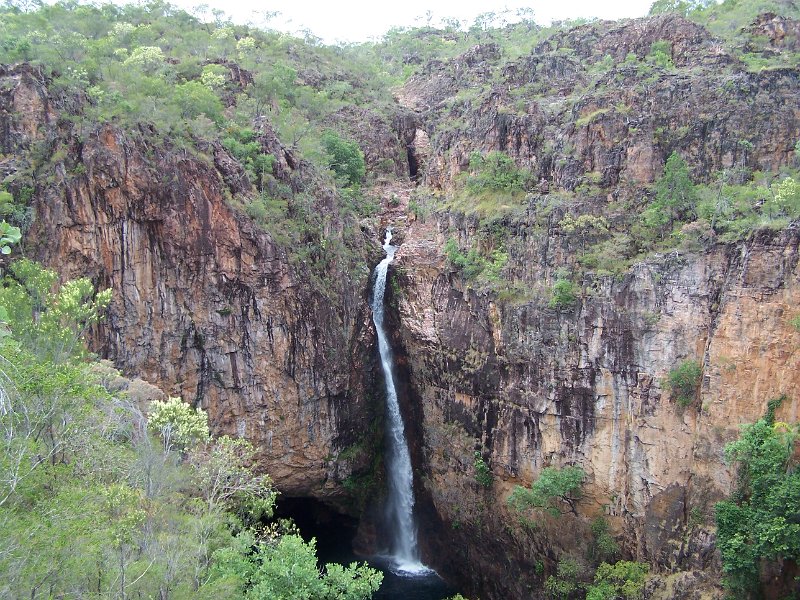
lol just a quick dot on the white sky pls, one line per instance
(360, 20)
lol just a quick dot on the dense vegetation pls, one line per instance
(596, 574)
(759, 524)
(159, 508)
(194, 83)
(106, 493)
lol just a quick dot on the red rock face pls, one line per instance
(530, 386)
(533, 386)
(205, 304)
(211, 308)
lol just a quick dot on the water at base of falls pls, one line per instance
(335, 532)
(403, 555)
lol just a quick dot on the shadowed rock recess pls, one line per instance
(209, 306)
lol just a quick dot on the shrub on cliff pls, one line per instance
(552, 488)
(684, 380)
(474, 265)
(346, 159)
(603, 547)
(565, 582)
(675, 197)
(623, 579)
(495, 171)
(483, 474)
(760, 522)
(564, 294)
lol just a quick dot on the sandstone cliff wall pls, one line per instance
(205, 304)
(530, 386)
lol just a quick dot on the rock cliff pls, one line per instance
(205, 304)
(276, 342)
(529, 385)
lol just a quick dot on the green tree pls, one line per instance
(346, 159)
(178, 423)
(48, 319)
(483, 474)
(193, 98)
(604, 547)
(149, 59)
(564, 294)
(786, 201)
(226, 480)
(624, 579)
(675, 197)
(495, 171)
(564, 583)
(684, 381)
(286, 569)
(681, 7)
(553, 487)
(759, 522)
(585, 227)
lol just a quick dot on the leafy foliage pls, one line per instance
(50, 323)
(178, 423)
(603, 547)
(759, 521)
(483, 474)
(495, 171)
(684, 381)
(564, 294)
(660, 54)
(586, 227)
(623, 579)
(286, 569)
(675, 196)
(94, 505)
(194, 98)
(242, 143)
(346, 159)
(9, 235)
(553, 487)
(682, 7)
(564, 583)
(473, 265)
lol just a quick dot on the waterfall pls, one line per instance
(400, 503)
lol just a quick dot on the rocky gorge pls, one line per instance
(278, 346)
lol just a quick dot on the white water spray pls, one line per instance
(400, 503)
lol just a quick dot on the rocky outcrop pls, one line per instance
(595, 104)
(527, 385)
(205, 303)
(530, 386)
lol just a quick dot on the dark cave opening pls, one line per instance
(333, 530)
(335, 533)
(413, 164)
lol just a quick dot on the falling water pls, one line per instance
(400, 504)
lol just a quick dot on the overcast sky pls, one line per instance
(361, 20)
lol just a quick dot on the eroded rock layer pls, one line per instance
(205, 303)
